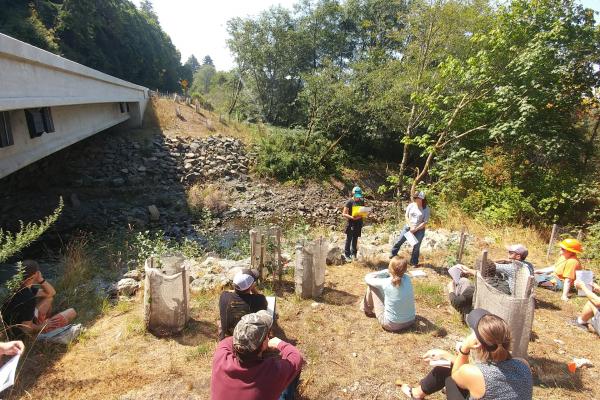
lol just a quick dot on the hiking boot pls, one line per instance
(576, 324)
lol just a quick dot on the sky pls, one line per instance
(199, 27)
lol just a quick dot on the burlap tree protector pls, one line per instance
(516, 309)
(166, 296)
(309, 274)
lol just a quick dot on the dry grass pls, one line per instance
(209, 198)
(348, 355)
(162, 113)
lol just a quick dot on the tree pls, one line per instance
(192, 63)
(207, 60)
(509, 115)
(271, 58)
(147, 8)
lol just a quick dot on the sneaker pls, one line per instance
(347, 259)
(576, 324)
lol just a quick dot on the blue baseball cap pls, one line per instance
(357, 191)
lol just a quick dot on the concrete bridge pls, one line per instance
(48, 103)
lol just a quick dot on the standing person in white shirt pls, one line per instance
(417, 216)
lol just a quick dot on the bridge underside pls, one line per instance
(48, 103)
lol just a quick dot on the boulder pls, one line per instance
(154, 213)
(335, 256)
(135, 274)
(127, 286)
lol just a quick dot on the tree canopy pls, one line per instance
(112, 36)
(490, 106)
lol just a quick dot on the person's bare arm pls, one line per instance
(566, 288)
(346, 214)
(595, 299)
(29, 327)
(46, 289)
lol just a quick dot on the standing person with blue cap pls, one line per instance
(417, 216)
(355, 224)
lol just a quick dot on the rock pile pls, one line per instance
(212, 157)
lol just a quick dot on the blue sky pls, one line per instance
(199, 26)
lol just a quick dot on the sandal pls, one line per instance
(408, 391)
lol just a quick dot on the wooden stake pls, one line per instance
(279, 261)
(580, 234)
(552, 237)
(484, 258)
(461, 245)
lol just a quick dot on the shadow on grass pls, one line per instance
(442, 271)
(338, 297)
(539, 303)
(197, 331)
(551, 373)
(423, 325)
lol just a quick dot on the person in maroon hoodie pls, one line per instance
(239, 370)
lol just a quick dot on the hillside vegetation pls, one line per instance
(493, 108)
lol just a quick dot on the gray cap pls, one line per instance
(251, 331)
(518, 249)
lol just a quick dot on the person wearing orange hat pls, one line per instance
(562, 274)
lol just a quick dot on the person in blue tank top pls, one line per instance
(390, 297)
(493, 375)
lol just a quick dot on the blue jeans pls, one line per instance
(290, 391)
(420, 234)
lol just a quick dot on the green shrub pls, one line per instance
(288, 155)
(12, 243)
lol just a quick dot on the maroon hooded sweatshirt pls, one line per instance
(263, 379)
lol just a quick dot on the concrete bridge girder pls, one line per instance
(48, 103)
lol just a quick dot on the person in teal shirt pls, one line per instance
(390, 297)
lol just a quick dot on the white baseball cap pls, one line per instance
(420, 195)
(242, 281)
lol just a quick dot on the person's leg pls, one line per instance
(453, 392)
(372, 303)
(414, 259)
(60, 320)
(290, 391)
(347, 249)
(44, 308)
(433, 382)
(400, 242)
(354, 245)
(588, 312)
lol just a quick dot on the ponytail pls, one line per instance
(397, 267)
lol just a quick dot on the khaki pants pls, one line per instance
(373, 304)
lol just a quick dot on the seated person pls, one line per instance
(241, 372)
(590, 316)
(461, 296)
(245, 299)
(390, 296)
(29, 309)
(562, 275)
(493, 375)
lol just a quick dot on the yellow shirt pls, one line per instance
(565, 267)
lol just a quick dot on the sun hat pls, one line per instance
(518, 249)
(473, 319)
(251, 331)
(243, 280)
(572, 245)
(357, 191)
